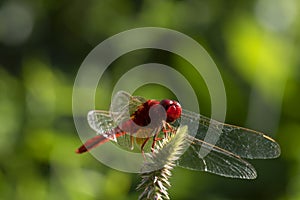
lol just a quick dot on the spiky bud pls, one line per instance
(155, 180)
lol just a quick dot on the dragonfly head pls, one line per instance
(173, 109)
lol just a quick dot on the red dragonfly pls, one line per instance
(130, 117)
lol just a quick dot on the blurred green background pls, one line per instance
(255, 45)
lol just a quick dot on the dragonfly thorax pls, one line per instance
(141, 117)
(171, 112)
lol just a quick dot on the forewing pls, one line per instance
(240, 141)
(217, 161)
(124, 105)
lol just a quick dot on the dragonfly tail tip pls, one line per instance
(81, 150)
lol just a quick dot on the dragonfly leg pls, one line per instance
(143, 145)
(155, 138)
(164, 129)
(167, 130)
(153, 143)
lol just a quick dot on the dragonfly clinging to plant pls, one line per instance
(225, 157)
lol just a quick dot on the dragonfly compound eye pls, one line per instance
(173, 109)
(166, 103)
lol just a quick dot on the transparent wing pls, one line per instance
(239, 141)
(124, 105)
(101, 122)
(218, 161)
(105, 122)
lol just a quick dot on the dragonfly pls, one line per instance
(134, 117)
